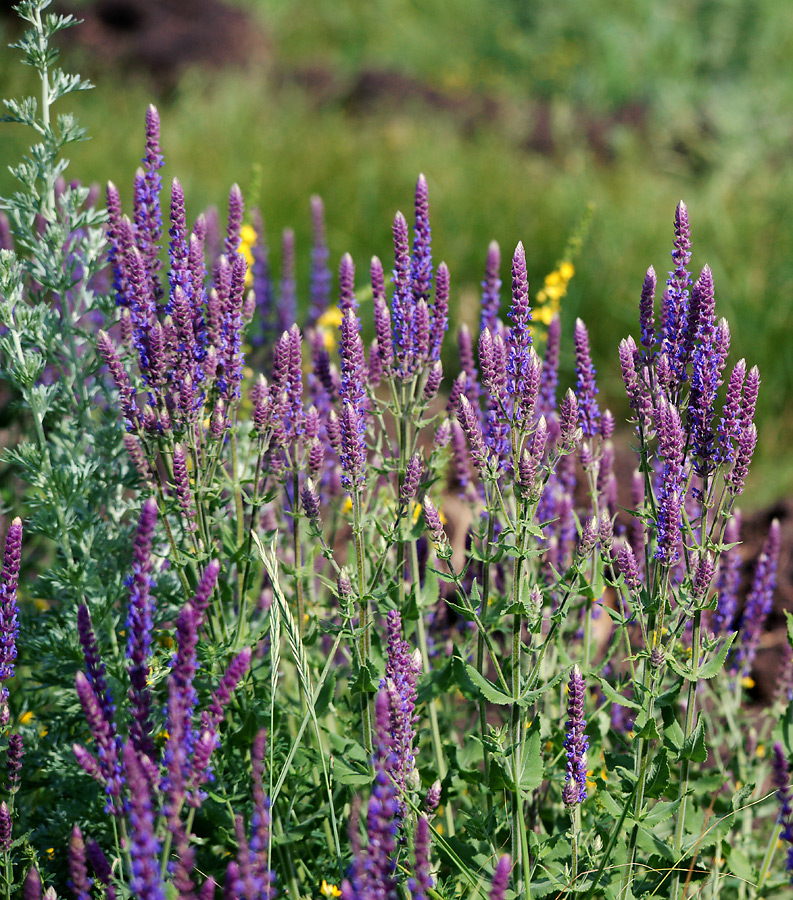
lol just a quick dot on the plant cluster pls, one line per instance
(377, 633)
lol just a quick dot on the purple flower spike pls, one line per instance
(347, 299)
(353, 448)
(183, 492)
(402, 306)
(422, 882)
(236, 211)
(382, 325)
(148, 218)
(287, 306)
(519, 339)
(500, 881)
(569, 431)
(735, 480)
(549, 377)
(781, 780)
(108, 771)
(646, 314)
(470, 425)
(491, 289)
(78, 870)
(728, 580)
(5, 828)
(31, 888)
(676, 298)
(576, 743)
(94, 667)
(586, 389)
(320, 283)
(729, 426)
(760, 600)
(412, 477)
(421, 260)
(207, 891)
(750, 391)
(440, 312)
(178, 251)
(139, 630)
(203, 593)
(400, 682)
(101, 867)
(9, 612)
(626, 560)
(144, 848)
(671, 441)
(14, 754)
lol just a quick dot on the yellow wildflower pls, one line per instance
(26, 718)
(248, 238)
(590, 782)
(566, 270)
(761, 751)
(41, 604)
(416, 512)
(329, 323)
(51, 852)
(329, 890)
(747, 682)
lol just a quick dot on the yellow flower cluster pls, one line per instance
(329, 890)
(554, 289)
(248, 238)
(329, 323)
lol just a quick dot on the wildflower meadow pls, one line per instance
(312, 597)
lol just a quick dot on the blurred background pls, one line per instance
(519, 113)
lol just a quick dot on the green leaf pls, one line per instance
(660, 813)
(488, 690)
(741, 866)
(715, 664)
(694, 747)
(532, 768)
(658, 775)
(366, 680)
(616, 697)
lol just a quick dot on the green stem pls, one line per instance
(425, 661)
(686, 763)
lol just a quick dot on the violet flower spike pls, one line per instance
(9, 612)
(94, 666)
(781, 781)
(183, 491)
(646, 313)
(234, 228)
(576, 743)
(671, 442)
(144, 848)
(287, 303)
(498, 886)
(440, 312)
(676, 299)
(178, 247)
(347, 299)
(491, 289)
(5, 828)
(728, 579)
(262, 285)
(759, 602)
(321, 278)
(78, 869)
(402, 304)
(139, 630)
(549, 377)
(422, 882)
(519, 338)
(421, 258)
(586, 389)
(14, 755)
(148, 217)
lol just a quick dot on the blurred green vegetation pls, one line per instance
(629, 105)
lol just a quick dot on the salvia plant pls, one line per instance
(303, 614)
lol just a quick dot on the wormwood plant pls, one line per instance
(352, 583)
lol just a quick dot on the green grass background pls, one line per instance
(715, 81)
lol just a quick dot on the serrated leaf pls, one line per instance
(694, 746)
(741, 866)
(488, 690)
(658, 775)
(532, 768)
(715, 664)
(660, 813)
(616, 697)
